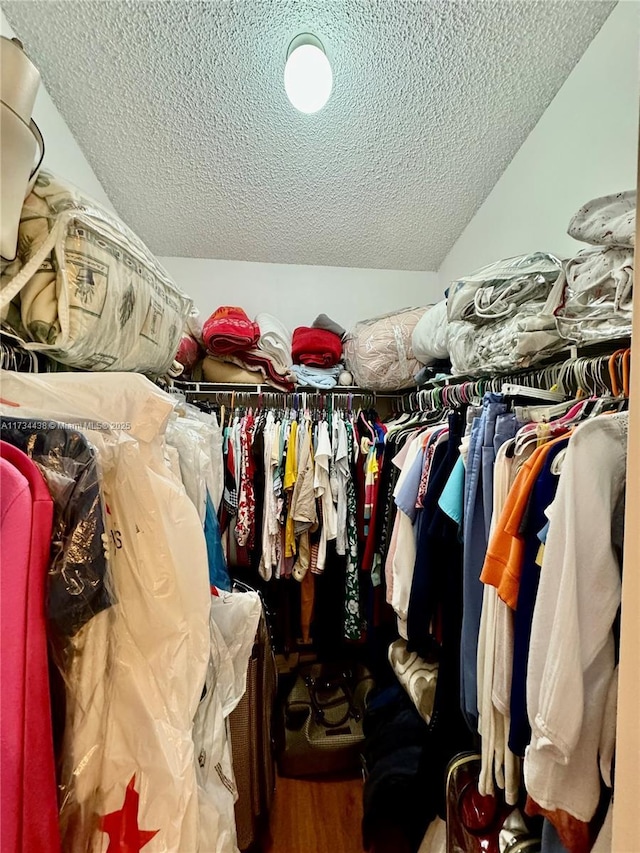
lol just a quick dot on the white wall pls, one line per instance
(297, 294)
(63, 155)
(584, 146)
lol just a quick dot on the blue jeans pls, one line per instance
(477, 518)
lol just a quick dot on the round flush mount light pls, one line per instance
(308, 79)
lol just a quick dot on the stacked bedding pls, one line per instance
(592, 300)
(317, 354)
(244, 351)
(498, 316)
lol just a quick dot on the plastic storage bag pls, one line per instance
(379, 353)
(593, 299)
(91, 294)
(521, 341)
(501, 289)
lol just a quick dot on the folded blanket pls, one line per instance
(592, 300)
(606, 221)
(329, 325)
(229, 330)
(216, 370)
(233, 370)
(275, 341)
(521, 341)
(256, 359)
(317, 377)
(253, 360)
(316, 347)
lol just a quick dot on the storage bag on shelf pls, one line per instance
(379, 353)
(89, 292)
(500, 290)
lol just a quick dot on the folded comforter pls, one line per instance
(521, 341)
(316, 347)
(317, 377)
(274, 341)
(229, 330)
(593, 299)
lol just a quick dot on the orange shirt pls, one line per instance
(503, 562)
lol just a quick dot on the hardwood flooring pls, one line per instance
(309, 816)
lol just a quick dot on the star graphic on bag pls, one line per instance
(122, 826)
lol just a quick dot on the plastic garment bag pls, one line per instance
(234, 622)
(136, 670)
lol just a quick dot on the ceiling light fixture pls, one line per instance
(308, 79)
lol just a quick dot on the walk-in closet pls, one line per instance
(319, 437)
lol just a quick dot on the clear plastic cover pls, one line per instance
(379, 353)
(593, 301)
(521, 341)
(501, 289)
(77, 583)
(90, 293)
(134, 672)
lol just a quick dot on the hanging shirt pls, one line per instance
(322, 488)
(341, 462)
(571, 656)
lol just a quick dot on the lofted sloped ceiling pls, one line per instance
(180, 108)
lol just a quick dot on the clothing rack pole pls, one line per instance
(584, 375)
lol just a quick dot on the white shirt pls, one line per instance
(571, 655)
(322, 488)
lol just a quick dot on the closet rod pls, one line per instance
(188, 387)
(607, 373)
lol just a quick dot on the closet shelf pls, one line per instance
(193, 387)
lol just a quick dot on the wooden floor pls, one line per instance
(316, 817)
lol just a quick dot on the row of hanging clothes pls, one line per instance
(294, 514)
(125, 650)
(498, 513)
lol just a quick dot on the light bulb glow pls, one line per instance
(308, 79)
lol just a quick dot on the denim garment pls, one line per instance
(475, 548)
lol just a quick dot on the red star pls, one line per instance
(122, 826)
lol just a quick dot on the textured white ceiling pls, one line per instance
(181, 111)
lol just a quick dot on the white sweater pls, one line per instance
(571, 656)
